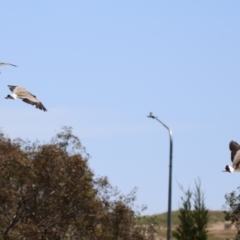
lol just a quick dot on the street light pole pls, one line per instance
(170, 177)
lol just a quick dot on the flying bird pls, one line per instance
(7, 64)
(235, 157)
(27, 97)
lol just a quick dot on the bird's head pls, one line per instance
(229, 169)
(9, 97)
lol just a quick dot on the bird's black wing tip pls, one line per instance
(11, 87)
(41, 107)
(234, 146)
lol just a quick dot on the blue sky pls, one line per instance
(102, 66)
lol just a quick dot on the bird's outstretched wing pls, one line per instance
(10, 64)
(28, 101)
(234, 147)
(12, 87)
(41, 107)
(38, 105)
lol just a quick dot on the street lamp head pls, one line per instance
(150, 115)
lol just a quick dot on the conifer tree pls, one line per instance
(200, 213)
(186, 229)
(193, 222)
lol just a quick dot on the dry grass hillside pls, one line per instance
(218, 228)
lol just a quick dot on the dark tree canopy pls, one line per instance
(49, 192)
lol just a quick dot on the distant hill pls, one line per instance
(218, 228)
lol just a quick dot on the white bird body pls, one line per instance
(235, 157)
(27, 97)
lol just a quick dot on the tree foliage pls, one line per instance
(232, 210)
(193, 221)
(186, 228)
(49, 192)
